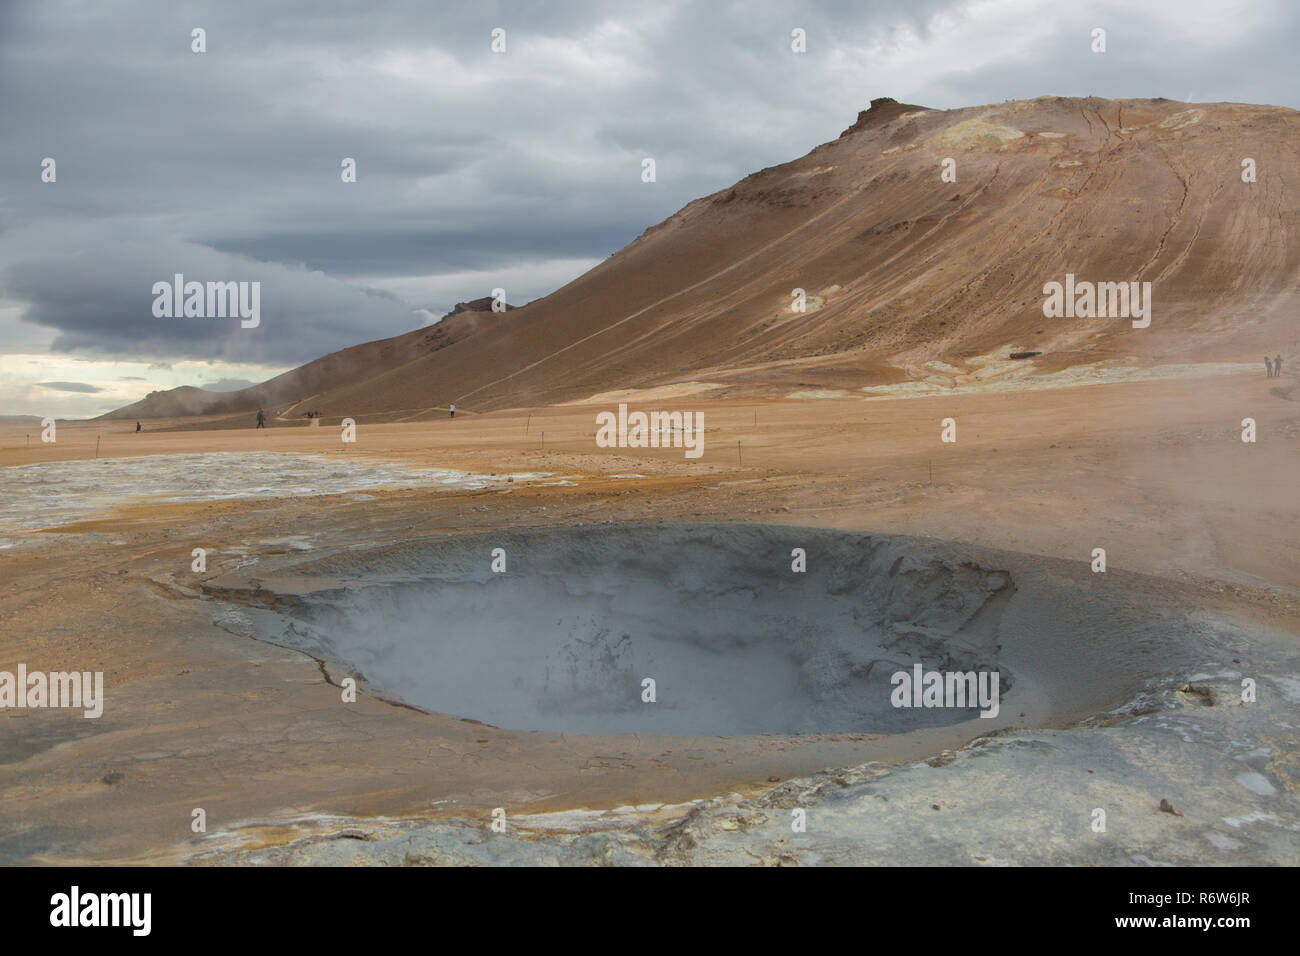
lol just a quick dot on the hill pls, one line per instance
(283, 395)
(901, 269)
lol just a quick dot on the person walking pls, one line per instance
(137, 426)
(453, 409)
(261, 418)
(1268, 367)
(1277, 365)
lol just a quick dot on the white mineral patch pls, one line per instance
(293, 543)
(47, 495)
(1223, 842)
(1256, 817)
(1289, 686)
(1256, 783)
(1184, 119)
(820, 393)
(1002, 375)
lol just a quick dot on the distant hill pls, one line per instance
(308, 383)
(900, 266)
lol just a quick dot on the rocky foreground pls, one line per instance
(1186, 774)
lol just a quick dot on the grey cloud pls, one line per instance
(70, 386)
(226, 385)
(391, 252)
(103, 303)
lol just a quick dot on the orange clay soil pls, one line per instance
(196, 716)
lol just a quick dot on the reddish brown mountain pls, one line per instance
(899, 266)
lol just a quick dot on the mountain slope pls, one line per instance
(901, 268)
(301, 386)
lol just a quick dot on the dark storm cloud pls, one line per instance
(99, 296)
(225, 165)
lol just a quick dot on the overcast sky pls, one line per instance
(475, 169)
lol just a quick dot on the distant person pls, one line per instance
(137, 426)
(1277, 365)
(261, 418)
(1268, 366)
(453, 409)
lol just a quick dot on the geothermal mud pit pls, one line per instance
(736, 641)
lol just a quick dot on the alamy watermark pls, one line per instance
(75, 908)
(215, 300)
(961, 689)
(1102, 300)
(56, 689)
(651, 430)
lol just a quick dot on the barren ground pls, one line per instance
(1154, 472)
